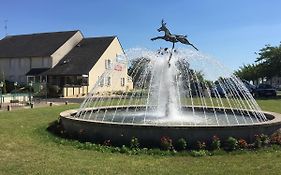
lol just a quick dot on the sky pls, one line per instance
(230, 31)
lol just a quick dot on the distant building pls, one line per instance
(67, 60)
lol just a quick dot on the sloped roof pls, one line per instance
(33, 45)
(82, 58)
(36, 71)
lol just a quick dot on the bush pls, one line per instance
(118, 92)
(166, 143)
(124, 149)
(230, 144)
(107, 142)
(134, 143)
(9, 87)
(201, 145)
(264, 140)
(198, 153)
(216, 143)
(54, 91)
(242, 144)
(181, 144)
(275, 138)
(257, 142)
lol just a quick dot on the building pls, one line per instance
(66, 60)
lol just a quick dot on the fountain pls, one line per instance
(179, 93)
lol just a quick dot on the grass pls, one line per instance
(184, 101)
(27, 148)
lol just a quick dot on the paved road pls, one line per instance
(39, 102)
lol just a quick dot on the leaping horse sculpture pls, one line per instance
(172, 38)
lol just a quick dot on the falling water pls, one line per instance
(193, 90)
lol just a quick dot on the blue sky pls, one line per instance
(228, 30)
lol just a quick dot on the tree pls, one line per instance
(250, 72)
(139, 69)
(269, 60)
(2, 79)
(267, 65)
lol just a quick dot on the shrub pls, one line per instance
(124, 149)
(181, 144)
(257, 142)
(275, 138)
(264, 140)
(107, 142)
(88, 145)
(230, 144)
(118, 92)
(201, 145)
(54, 91)
(242, 144)
(166, 143)
(198, 153)
(134, 143)
(216, 143)
(156, 151)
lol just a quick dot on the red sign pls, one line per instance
(118, 67)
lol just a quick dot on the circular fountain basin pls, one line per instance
(125, 125)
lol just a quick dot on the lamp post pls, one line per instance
(30, 88)
(15, 85)
(1, 86)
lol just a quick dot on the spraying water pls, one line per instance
(192, 90)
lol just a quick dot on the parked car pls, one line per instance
(249, 86)
(217, 90)
(278, 87)
(264, 90)
(233, 89)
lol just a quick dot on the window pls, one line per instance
(44, 79)
(30, 79)
(122, 81)
(101, 81)
(108, 81)
(107, 64)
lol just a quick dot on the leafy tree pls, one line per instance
(267, 65)
(2, 79)
(249, 72)
(270, 60)
(138, 68)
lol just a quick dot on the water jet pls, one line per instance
(193, 97)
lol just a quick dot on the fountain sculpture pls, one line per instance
(192, 97)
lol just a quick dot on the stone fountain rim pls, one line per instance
(274, 118)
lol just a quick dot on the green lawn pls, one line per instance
(27, 148)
